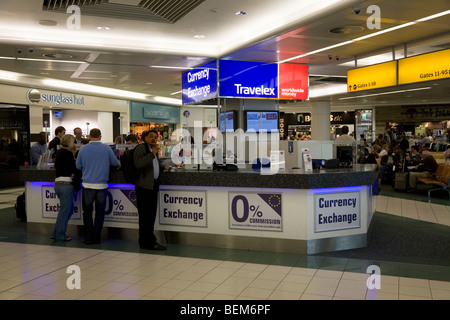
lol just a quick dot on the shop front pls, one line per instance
(148, 116)
(297, 126)
(25, 112)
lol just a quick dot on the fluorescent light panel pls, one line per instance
(408, 24)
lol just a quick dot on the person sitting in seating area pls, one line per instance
(424, 168)
(414, 155)
(389, 163)
(447, 155)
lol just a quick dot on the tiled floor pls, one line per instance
(30, 271)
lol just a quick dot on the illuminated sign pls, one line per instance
(248, 79)
(426, 67)
(182, 208)
(255, 211)
(200, 84)
(336, 211)
(34, 96)
(293, 81)
(372, 77)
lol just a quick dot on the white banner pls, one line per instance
(337, 211)
(50, 203)
(255, 211)
(121, 205)
(182, 208)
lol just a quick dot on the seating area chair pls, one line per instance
(439, 181)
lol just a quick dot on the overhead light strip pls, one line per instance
(49, 60)
(405, 25)
(171, 67)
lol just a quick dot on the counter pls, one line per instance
(290, 211)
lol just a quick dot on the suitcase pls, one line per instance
(401, 181)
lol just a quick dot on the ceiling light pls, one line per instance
(6, 75)
(174, 93)
(240, 13)
(48, 60)
(199, 36)
(48, 23)
(171, 67)
(103, 28)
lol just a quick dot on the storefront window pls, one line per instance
(14, 143)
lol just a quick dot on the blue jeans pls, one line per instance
(93, 227)
(65, 195)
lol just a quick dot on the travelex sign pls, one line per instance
(337, 211)
(248, 79)
(245, 79)
(200, 84)
(34, 97)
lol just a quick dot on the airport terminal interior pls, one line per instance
(378, 67)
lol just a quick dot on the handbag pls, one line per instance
(76, 180)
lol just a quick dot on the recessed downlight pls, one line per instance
(199, 36)
(48, 23)
(240, 13)
(58, 56)
(103, 28)
(344, 30)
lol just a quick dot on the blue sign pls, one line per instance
(247, 79)
(200, 84)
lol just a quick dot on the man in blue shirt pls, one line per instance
(38, 148)
(95, 160)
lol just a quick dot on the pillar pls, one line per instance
(320, 120)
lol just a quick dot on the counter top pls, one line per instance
(359, 174)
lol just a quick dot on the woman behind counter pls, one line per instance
(66, 171)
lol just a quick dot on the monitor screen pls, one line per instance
(262, 120)
(344, 154)
(227, 121)
(57, 114)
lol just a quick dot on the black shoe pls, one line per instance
(154, 247)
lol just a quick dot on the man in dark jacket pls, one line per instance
(53, 145)
(147, 187)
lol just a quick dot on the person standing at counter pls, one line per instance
(64, 186)
(38, 148)
(147, 187)
(344, 137)
(95, 160)
(78, 133)
(53, 145)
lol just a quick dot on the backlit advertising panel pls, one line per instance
(293, 81)
(248, 79)
(200, 84)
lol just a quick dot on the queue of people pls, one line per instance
(88, 169)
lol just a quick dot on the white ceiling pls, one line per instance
(124, 57)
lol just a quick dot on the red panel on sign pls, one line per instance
(293, 81)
